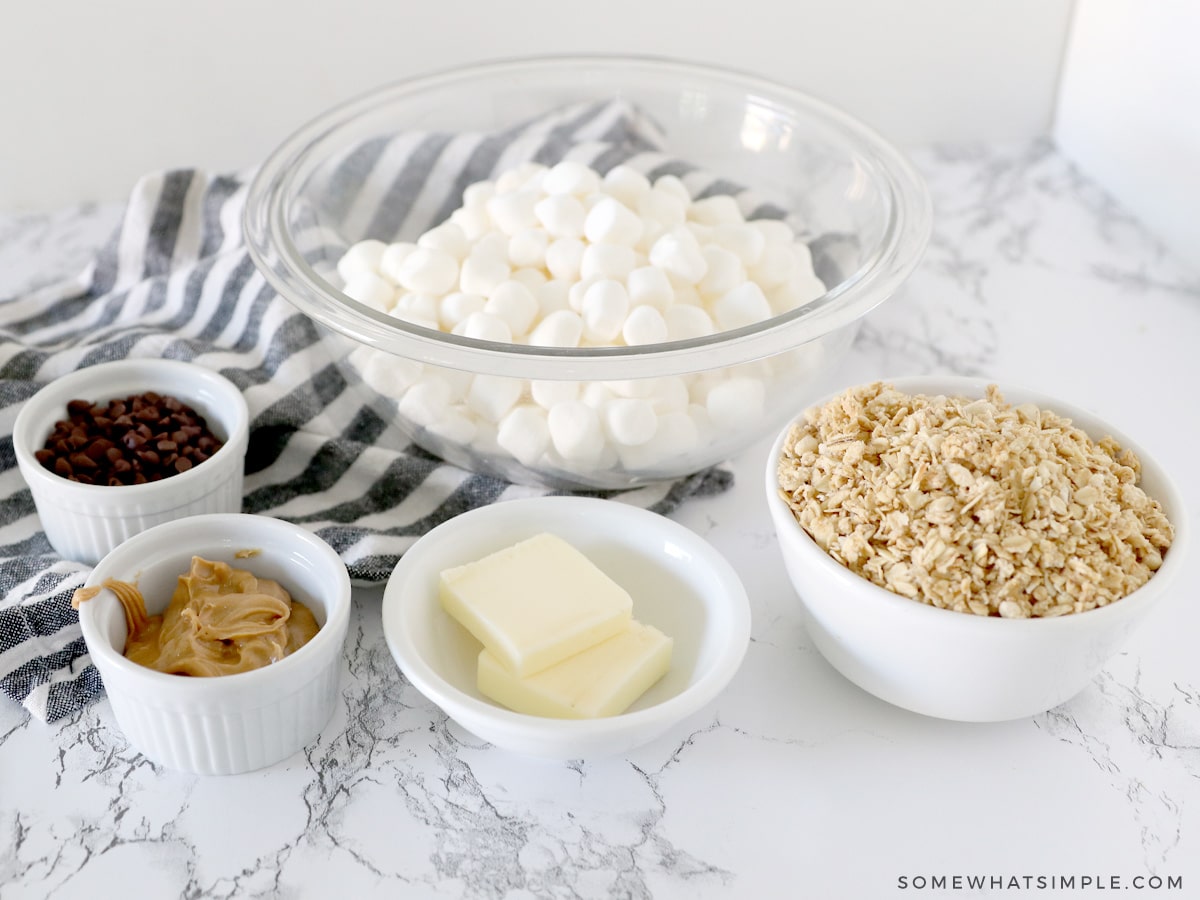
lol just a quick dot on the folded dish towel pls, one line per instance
(176, 281)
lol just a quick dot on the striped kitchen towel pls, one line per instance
(175, 280)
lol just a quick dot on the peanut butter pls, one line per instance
(220, 621)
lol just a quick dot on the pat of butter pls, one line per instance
(601, 681)
(535, 603)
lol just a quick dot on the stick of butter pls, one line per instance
(600, 681)
(535, 603)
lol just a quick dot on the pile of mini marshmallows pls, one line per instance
(563, 257)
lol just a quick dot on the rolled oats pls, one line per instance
(972, 505)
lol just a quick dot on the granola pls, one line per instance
(972, 505)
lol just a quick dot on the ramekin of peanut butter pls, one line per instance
(221, 621)
(234, 659)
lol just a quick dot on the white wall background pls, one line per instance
(1129, 112)
(93, 94)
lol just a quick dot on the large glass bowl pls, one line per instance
(856, 200)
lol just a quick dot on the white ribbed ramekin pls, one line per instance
(85, 521)
(231, 723)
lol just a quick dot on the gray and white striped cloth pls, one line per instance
(176, 281)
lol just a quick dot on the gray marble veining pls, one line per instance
(792, 777)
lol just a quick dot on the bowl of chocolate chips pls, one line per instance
(113, 449)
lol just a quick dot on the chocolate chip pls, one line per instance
(128, 440)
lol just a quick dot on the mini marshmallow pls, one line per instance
(720, 209)
(775, 265)
(493, 245)
(736, 403)
(725, 272)
(371, 290)
(626, 184)
(611, 222)
(577, 291)
(563, 258)
(482, 273)
(569, 177)
(795, 292)
(629, 422)
(551, 296)
(675, 436)
(389, 375)
(473, 222)
(575, 431)
(359, 258)
(515, 304)
(649, 286)
(455, 307)
(477, 195)
(774, 231)
(606, 261)
(491, 396)
(596, 395)
(562, 328)
(670, 394)
(527, 248)
(484, 326)
(652, 232)
(508, 182)
(448, 238)
(457, 381)
(426, 401)
(605, 305)
(672, 185)
(531, 278)
(702, 382)
(803, 258)
(547, 393)
(429, 271)
(678, 253)
(744, 305)
(663, 207)
(513, 212)
(705, 433)
(686, 295)
(562, 215)
(741, 239)
(525, 433)
(454, 425)
(644, 325)
(420, 309)
(393, 258)
(702, 233)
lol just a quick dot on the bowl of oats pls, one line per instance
(970, 552)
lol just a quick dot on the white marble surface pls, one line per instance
(793, 782)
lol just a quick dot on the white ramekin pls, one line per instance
(679, 583)
(85, 521)
(232, 723)
(955, 665)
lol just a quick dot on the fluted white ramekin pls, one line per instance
(231, 723)
(85, 521)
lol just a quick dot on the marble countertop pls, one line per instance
(791, 783)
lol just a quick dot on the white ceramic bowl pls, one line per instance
(231, 723)
(85, 521)
(950, 664)
(678, 582)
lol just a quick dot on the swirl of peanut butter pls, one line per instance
(220, 621)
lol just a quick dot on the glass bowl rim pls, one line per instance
(905, 235)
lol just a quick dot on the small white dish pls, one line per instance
(230, 723)
(678, 582)
(954, 665)
(83, 522)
